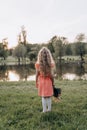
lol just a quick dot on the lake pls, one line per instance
(67, 71)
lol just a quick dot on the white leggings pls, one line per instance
(46, 103)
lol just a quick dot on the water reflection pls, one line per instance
(27, 72)
(74, 76)
(72, 71)
(31, 78)
(12, 76)
(70, 76)
(16, 72)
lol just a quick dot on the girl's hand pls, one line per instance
(36, 84)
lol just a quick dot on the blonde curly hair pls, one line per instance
(45, 61)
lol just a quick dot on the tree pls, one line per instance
(20, 52)
(32, 55)
(58, 45)
(60, 49)
(3, 51)
(80, 37)
(80, 49)
(68, 49)
(22, 36)
(32, 51)
(50, 47)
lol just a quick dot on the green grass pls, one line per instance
(20, 107)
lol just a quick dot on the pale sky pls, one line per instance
(42, 19)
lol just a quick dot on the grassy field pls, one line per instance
(21, 109)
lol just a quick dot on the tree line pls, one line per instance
(59, 47)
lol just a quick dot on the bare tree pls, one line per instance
(24, 34)
(80, 37)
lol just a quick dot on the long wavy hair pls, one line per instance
(45, 61)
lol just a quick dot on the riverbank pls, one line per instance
(20, 107)
(65, 59)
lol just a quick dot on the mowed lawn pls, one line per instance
(21, 108)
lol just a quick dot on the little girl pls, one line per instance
(44, 77)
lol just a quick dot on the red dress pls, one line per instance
(45, 88)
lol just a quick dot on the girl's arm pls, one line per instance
(52, 79)
(37, 74)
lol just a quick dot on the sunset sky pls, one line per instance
(42, 19)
